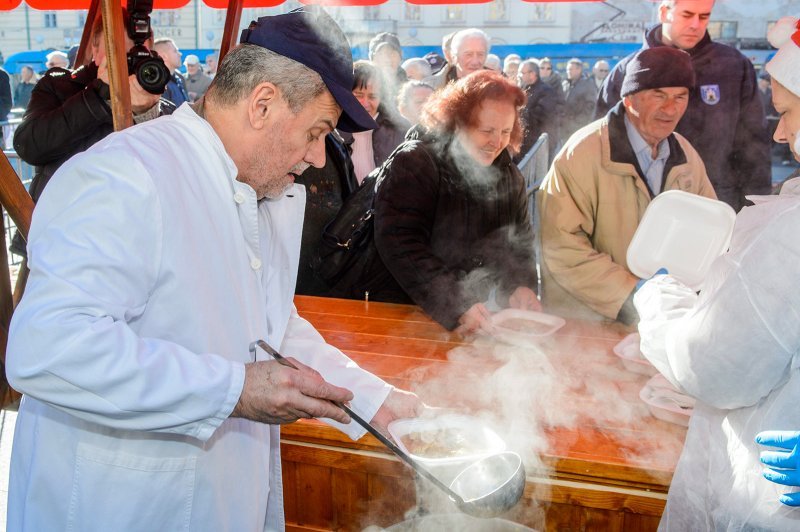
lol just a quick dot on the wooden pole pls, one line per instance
(14, 197)
(83, 57)
(114, 36)
(230, 34)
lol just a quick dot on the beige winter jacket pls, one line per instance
(590, 204)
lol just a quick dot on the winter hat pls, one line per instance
(785, 65)
(655, 68)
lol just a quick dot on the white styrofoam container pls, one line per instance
(665, 402)
(631, 355)
(481, 439)
(541, 325)
(683, 233)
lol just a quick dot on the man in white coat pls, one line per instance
(152, 270)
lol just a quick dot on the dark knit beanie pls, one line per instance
(656, 68)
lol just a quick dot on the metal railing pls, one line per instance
(534, 168)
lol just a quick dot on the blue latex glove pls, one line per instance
(661, 271)
(783, 466)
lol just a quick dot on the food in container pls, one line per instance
(683, 233)
(460, 522)
(629, 352)
(666, 402)
(523, 327)
(448, 439)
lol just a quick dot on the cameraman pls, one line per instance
(70, 110)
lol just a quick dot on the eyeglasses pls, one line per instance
(602, 70)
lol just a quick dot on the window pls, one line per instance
(50, 20)
(722, 30)
(372, 13)
(165, 18)
(454, 14)
(497, 11)
(413, 12)
(541, 12)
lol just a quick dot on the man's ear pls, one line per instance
(262, 104)
(663, 12)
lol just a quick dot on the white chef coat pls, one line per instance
(152, 270)
(735, 348)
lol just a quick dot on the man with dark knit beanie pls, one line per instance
(601, 182)
(725, 118)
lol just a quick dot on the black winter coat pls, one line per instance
(539, 116)
(724, 121)
(66, 115)
(449, 232)
(389, 134)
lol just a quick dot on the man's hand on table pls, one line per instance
(524, 298)
(276, 394)
(399, 404)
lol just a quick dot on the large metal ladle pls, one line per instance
(485, 488)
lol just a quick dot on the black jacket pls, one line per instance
(66, 115)
(579, 100)
(450, 232)
(5, 97)
(539, 116)
(724, 121)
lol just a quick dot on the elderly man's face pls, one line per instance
(600, 70)
(511, 70)
(211, 64)
(526, 77)
(286, 144)
(788, 106)
(26, 74)
(192, 68)
(470, 56)
(574, 71)
(387, 58)
(656, 112)
(685, 24)
(412, 107)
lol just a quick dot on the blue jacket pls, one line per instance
(724, 121)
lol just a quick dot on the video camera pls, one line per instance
(151, 72)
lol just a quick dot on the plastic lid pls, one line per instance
(683, 233)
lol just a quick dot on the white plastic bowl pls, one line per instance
(631, 355)
(683, 233)
(665, 402)
(540, 325)
(480, 439)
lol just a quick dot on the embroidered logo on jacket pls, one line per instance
(710, 94)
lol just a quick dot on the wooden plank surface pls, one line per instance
(593, 452)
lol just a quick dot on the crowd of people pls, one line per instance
(424, 152)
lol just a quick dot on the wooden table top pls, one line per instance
(567, 405)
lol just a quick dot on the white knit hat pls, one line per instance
(785, 64)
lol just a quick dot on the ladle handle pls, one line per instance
(369, 428)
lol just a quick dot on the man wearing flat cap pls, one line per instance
(386, 53)
(146, 404)
(601, 182)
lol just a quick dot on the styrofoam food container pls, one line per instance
(683, 233)
(665, 402)
(541, 325)
(481, 439)
(631, 355)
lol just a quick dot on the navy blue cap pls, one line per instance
(436, 61)
(311, 37)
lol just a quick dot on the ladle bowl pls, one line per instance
(491, 485)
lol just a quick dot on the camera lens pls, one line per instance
(152, 75)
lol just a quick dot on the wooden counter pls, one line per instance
(595, 458)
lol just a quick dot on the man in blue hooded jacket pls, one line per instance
(725, 119)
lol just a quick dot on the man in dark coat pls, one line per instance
(579, 97)
(69, 111)
(725, 119)
(5, 100)
(539, 115)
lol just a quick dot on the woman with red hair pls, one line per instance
(451, 212)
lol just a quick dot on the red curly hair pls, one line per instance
(457, 104)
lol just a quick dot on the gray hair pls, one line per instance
(248, 65)
(471, 33)
(531, 64)
(512, 58)
(407, 89)
(418, 63)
